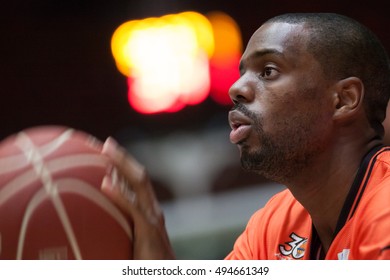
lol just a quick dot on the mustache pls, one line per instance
(244, 110)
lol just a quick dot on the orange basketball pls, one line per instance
(51, 206)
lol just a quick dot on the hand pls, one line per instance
(129, 187)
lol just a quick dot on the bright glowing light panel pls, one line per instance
(177, 60)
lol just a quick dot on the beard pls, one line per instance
(284, 153)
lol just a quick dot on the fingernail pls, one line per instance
(109, 146)
(114, 176)
(106, 183)
(94, 143)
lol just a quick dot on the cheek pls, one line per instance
(294, 124)
(285, 110)
(278, 114)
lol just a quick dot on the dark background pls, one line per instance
(56, 65)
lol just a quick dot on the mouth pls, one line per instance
(240, 125)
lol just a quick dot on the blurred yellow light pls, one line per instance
(119, 42)
(168, 59)
(182, 34)
(203, 30)
(224, 63)
(227, 36)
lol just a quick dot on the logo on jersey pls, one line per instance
(343, 255)
(294, 249)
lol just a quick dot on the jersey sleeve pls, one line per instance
(373, 238)
(374, 243)
(253, 243)
(243, 248)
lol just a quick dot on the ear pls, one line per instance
(348, 98)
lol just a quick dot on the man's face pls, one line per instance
(281, 118)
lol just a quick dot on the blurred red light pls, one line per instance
(222, 76)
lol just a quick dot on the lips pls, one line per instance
(241, 126)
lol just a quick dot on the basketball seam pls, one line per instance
(35, 158)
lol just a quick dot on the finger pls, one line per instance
(141, 209)
(127, 181)
(125, 203)
(132, 172)
(126, 164)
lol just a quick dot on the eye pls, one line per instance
(268, 72)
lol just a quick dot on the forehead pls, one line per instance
(286, 39)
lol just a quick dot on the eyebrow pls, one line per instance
(260, 53)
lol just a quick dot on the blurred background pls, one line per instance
(153, 74)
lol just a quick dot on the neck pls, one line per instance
(324, 186)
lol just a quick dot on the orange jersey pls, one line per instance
(283, 228)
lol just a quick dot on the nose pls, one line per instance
(241, 91)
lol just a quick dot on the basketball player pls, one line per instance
(308, 112)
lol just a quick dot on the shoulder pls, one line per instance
(280, 206)
(372, 219)
(378, 177)
(271, 226)
(281, 201)
(383, 156)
